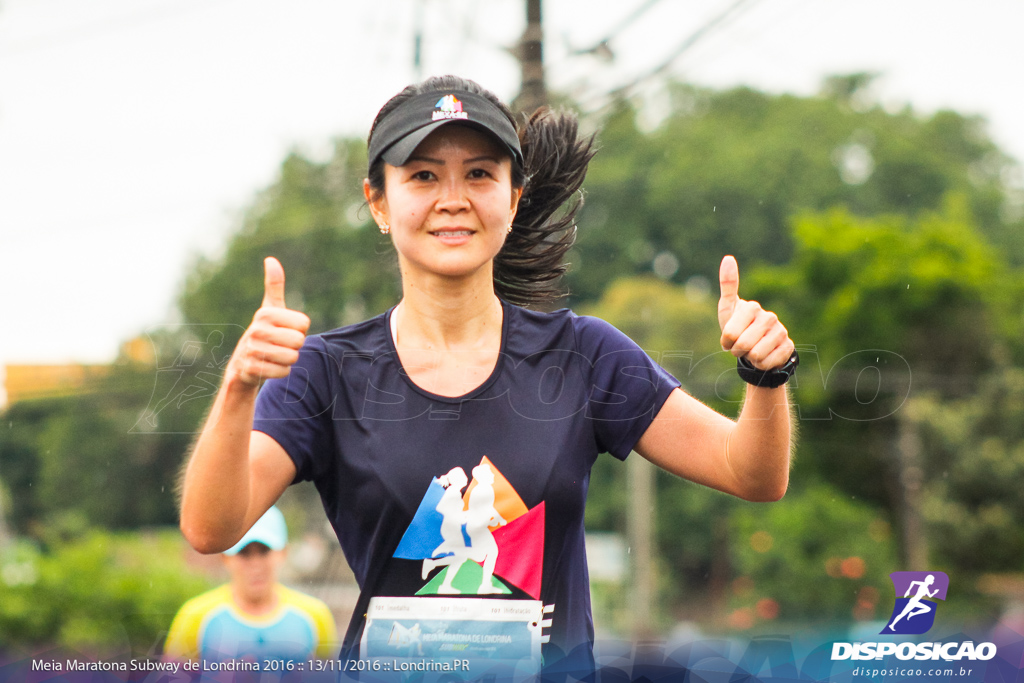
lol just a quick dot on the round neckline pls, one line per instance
(390, 341)
(258, 620)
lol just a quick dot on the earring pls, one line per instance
(510, 227)
(384, 228)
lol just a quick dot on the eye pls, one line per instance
(423, 176)
(479, 174)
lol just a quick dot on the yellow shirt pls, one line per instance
(211, 626)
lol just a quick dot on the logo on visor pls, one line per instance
(449, 107)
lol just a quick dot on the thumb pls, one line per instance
(729, 283)
(273, 283)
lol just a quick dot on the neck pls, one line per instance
(256, 605)
(445, 315)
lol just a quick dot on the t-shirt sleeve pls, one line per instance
(183, 637)
(327, 641)
(626, 387)
(296, 410)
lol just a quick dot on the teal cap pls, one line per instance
(270, 530)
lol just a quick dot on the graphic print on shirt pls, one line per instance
(483, 540)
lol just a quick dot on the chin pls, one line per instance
(453, 265)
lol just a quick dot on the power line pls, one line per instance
(601, 46)
(767, 24)
(731, 12)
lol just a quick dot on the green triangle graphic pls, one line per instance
(467, 581)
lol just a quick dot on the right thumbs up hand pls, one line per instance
(270, 345)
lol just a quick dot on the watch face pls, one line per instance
(790, 365)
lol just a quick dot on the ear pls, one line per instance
(378, 206)
(517, 194)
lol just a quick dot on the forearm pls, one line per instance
(215, 498)
(231, 479)
(758, 447)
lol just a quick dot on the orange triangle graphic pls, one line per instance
(506, 501)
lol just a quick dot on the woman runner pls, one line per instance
(460, 374)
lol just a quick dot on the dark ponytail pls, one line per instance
(529, 266)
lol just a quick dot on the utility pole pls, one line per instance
(911, 477)
(533, 91)
(640, 520)
(5, 535)
(417, 41)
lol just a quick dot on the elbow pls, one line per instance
(775, 494)
(206, 531)
(203, 541)
(767, 494)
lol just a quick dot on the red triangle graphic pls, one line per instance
(521, 551)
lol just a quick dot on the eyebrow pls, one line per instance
(484, 157)
(440, 162)
(429, 160)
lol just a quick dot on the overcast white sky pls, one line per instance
(133, 132)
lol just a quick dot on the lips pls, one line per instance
(453, 237)
(452, 233)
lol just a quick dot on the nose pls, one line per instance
(453, 197)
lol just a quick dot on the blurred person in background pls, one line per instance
(387, 416)
(253, 615)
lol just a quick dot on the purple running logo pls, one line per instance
(914, 613)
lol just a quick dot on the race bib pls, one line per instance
(450, 634)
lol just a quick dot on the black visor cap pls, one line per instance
(398, 135)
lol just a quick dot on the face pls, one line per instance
(254, 571)
(450, 205)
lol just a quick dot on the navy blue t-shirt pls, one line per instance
(389, 458)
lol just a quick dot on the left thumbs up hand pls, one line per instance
(747, 329)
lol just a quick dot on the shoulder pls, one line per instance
(329, 350)
(183, 635)
(302, 601)
(564, 329)
(313, 608)
(199, 606)
(590, 326)
(540, 329)
(563, 318)
(597, 337)
(322, 354)
(367, 334)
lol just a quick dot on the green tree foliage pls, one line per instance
(102, 594)
(929, 289)
(62, 457)
(884, 304)
(818, 557)
(889, 305)
(129, 431)
(975, 474)
(724, 172)
(339, 268)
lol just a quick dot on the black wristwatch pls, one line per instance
(768, 379)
